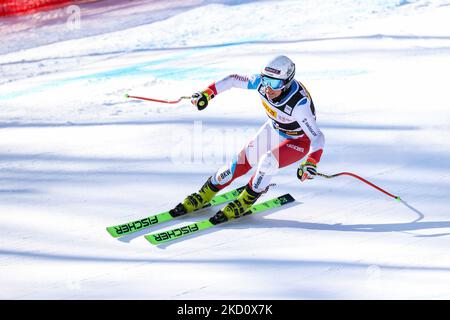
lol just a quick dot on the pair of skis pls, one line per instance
(176, 233)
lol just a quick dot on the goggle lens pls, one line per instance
(275, 84)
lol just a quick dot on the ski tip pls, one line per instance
(127, 95)
(398, 199)
(286, 198)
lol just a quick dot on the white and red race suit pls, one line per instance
(290, 134)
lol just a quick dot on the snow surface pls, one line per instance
(76, 156)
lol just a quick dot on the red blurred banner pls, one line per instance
(19, 7)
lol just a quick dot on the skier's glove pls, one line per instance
(307, 170)
(200, 99)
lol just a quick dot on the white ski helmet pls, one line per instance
(280, 67)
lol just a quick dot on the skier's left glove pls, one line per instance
(200, 99)
(307, 170)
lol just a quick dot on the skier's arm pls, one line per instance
(304, 116)
(237, 81)
(200, 99)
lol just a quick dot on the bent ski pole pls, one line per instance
(158, 100)
(359, 178)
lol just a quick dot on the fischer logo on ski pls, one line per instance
(136, 225)
(175, 233)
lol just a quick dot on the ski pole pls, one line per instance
(158, 100)
(359, 178)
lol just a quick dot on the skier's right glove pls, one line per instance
(200, 99)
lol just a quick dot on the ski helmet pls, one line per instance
(280, 68)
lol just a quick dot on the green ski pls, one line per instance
(165, 236)
(136, 225)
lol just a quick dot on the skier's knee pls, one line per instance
(268, 164)
(233, 170)
(223, 176)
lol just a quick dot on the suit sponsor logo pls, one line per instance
(305, 121)
(297, 148)
(223, 175)
(284, 119)
(259, 180)
(269, 110)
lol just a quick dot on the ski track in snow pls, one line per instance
(76, 156)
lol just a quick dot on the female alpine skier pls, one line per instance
(289, 135)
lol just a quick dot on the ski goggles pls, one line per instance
(275, 84)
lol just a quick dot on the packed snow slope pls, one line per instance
(76, 156)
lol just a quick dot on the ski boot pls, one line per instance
(196, 200)
(238, 207)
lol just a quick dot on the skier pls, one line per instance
(289, 135)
